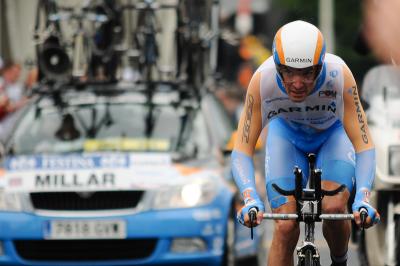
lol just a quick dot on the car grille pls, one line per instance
(70, 250)
(73, 201)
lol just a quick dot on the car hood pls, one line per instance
(98, 172)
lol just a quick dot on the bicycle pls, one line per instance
(308, 210)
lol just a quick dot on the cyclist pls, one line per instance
(309, 100)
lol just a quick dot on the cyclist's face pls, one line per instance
(298, 82)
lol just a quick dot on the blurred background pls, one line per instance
(117, 58)
(340, 22)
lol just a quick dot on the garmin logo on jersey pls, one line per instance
(330, 108)
(298, 60)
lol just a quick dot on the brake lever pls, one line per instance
(363, 216)
(252, 217)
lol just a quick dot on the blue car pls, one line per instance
(96, 178)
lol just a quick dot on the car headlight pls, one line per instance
(394, 160)
(14, 201)
(196, 193)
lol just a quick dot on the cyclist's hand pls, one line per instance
(361, 201)
(243, 214)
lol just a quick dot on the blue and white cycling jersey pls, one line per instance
(320, 110)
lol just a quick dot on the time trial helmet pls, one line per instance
(299, 45)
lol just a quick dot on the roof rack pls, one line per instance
(59, 58)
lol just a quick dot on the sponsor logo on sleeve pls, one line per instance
(333, 73)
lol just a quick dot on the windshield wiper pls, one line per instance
(185, 130)
(150, 121)
(106, 120)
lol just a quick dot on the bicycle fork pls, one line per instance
(308, 242)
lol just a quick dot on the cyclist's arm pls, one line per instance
(249, 129)
(354, 120)
(356, 126)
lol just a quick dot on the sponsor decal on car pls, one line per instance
(75, 180)
(91, 172)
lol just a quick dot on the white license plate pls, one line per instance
(85, 229)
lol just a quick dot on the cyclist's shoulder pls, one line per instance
(266, 74)
(268, 66)
(336, 66)
(332, 59)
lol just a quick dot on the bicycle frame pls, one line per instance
(310, 199)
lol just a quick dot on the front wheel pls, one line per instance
(308, 259)
(397, 238)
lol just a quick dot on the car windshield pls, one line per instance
(112, 126)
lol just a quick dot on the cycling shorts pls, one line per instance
(287, 147)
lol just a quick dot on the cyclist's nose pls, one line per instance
(298, 81)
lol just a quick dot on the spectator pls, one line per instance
(31, 79)
(11, 73)
(12, 97)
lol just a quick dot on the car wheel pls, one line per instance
(397, 238)
(362, 250)
(375, 237)
(229, 252)
(252, 261)
(260, 259)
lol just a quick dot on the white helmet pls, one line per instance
(298, 44)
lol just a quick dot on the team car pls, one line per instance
(381, 94)
(113, 176)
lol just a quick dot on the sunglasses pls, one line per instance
(306, 75)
